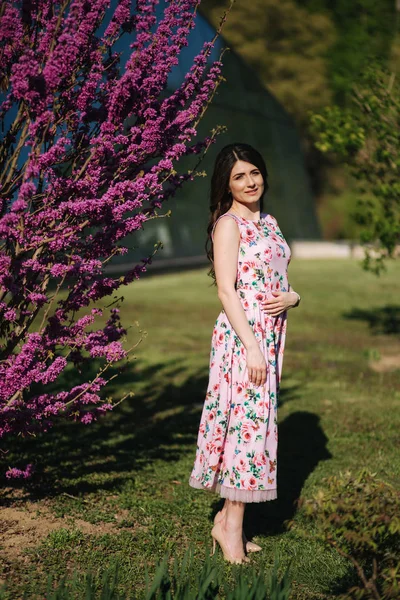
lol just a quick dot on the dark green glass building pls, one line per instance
(251, 115)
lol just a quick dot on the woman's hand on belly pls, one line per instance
(280, 302)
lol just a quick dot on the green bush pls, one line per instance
(359, 516)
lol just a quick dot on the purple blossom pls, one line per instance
(99, 141)
(112, 352)
(87, 418)
(14, 473)
(54, 370)
(19, 205)
(10, 314)
(37, 298)
(59, 270)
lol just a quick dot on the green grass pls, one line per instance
(126, 476)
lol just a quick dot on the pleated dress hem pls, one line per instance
(235, 494)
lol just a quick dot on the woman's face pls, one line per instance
(246, 182)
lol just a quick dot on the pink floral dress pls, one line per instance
(236, 453)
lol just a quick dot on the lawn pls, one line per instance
(116, 492)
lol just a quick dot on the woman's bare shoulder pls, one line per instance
(227, 227)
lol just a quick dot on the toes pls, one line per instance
(251, 547)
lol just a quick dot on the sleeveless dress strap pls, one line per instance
(224, 215)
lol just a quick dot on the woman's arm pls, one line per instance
(298, 298)
(281, 302)
(226, 248)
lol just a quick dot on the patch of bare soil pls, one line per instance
(386, 364)
(23, 528)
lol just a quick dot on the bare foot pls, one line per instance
(231, 543)
(250, 546)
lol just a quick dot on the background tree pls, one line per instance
(309, 54)
(76, 179)
(367, 137)
(365, 30)
(286, 45)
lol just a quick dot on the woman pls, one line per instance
(237, 440)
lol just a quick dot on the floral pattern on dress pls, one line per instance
(236, 452)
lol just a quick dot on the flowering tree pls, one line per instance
(87, 157)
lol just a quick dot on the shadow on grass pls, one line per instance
(154, 424)
(381, 320)
(159, 422)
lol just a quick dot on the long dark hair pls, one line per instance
(220, 199)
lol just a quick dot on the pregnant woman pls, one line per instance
(236, 453)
